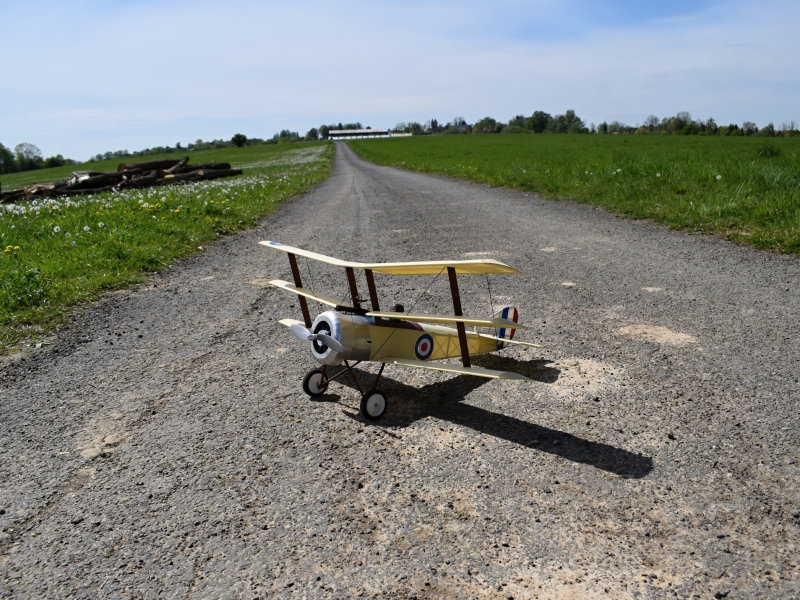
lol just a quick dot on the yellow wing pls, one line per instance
(477, 371)
(448, 319)
(322, 298)
(462, 267)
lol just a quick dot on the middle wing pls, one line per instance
(477, 371)
(497, 323)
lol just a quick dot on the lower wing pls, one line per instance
(477, 371)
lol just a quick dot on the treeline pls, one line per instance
(239, 140)
(28, 157)
(569, 122)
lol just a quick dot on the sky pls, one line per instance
(85, 77)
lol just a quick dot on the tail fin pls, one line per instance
(507, 312)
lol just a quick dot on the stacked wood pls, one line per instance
(135, 176)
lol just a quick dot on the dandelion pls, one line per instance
(146, 205)
(719, 177)
(619, 170)
(658, 174)
(8, 249)
(101, 224)
(86, 228)
(56, 229)
(16, 248)
(74, 243)
(68, 234)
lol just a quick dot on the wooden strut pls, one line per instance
(351, 279)
(299, 283)
(373, 293)
(462, 332)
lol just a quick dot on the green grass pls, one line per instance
(743, 189)
(58, 253)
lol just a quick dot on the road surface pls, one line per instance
(162, 445)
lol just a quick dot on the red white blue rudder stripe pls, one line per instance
(504, 333)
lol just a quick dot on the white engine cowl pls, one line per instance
(351, 331)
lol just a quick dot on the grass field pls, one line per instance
(743, 189)
(56, 253)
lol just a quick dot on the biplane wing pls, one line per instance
(497, 323)
(513, 342)
(477, 371)
(434, 267)
(321, 298)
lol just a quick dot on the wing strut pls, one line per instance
(298, 282)
(462, 332)
(373, 293)
(351, 280)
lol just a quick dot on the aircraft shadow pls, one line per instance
(443, 400)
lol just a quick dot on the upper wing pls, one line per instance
(447, 319)
(477, 371)
(462, 267)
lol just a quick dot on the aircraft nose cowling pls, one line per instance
(351, 331)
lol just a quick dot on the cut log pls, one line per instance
(151, 165)
(103, 180)
(205, 166)
(180, 164)
(217, 173)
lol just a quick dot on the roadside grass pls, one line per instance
(56, 253)
(742, 189)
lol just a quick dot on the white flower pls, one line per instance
(68, 234)
(86, 228)
(163, 198)
(101, 224)
(719, 177)
(658, 174)
(74, 243)
(146, 205)
(619, 170)
(56, 229)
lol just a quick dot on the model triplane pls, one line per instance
(349, 332)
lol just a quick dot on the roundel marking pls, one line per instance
(424, 347)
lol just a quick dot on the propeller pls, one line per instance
(301, 333)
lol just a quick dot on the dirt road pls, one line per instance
(163, 447)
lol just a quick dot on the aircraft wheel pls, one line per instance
(312, 383)
(373, 404)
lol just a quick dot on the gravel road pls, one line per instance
(162, 445)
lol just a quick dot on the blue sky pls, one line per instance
(81, 78)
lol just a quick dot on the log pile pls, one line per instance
(136, 176)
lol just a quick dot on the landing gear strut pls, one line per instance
(373, 402)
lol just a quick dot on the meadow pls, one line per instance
(743, 189)
(57, 253)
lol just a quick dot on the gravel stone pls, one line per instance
(188, 462)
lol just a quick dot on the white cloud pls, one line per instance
(103, 77)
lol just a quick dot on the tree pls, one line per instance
(27, 151)
(652, 122)
(603, 128)
(557, 124)
(323, 131)
(538, 121)
(487, 125)
(6, 160)
(28, 156)
(749, 128)
(312, 135)
(239, 140)
(518, 121)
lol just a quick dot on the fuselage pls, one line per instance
(367, 338)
